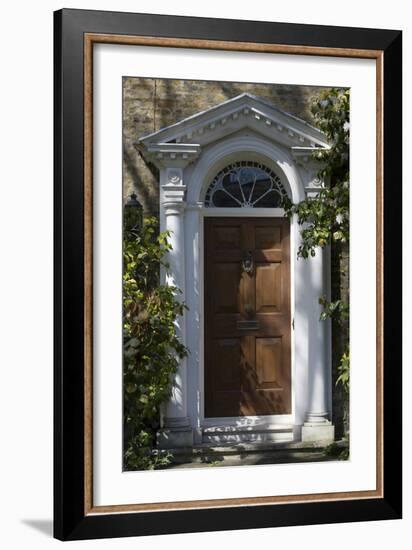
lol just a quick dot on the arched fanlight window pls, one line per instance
(245, 185)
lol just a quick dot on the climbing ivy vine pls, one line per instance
(152, 348)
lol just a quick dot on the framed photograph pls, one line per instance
(227, 274)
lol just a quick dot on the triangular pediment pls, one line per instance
(244, 111)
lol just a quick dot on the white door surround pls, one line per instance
(189, 154)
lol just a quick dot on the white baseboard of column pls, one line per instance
(318, 432)
(172, 438)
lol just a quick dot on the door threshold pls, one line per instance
(238, 435)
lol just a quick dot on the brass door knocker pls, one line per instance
(247, 262)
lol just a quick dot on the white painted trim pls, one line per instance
(242, 147)
(247, 146)
(244, 213)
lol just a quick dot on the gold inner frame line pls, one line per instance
(93, 38)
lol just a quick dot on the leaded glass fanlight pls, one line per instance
(245, 185)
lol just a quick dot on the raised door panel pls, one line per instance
(268, 287)
(226, 282)
(268, 238)
(227, 356)
(224, 377)
(268, 363)
(226, 237)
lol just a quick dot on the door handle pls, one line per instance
(247, 262)
(249, 310)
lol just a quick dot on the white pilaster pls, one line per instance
(194, 316)
(177, 430)
(317, 426)
(172, 159)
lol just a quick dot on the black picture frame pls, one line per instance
(70, 520)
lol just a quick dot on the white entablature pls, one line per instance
(180, 144)
(242, 111)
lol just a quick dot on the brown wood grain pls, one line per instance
(228, 45)
(379, 274)
(245, 501)
(88, 276)
(258, 380)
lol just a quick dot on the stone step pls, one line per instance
(252, 447)
(233, 435)
(203, 455)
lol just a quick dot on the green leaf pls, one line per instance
(151, 346)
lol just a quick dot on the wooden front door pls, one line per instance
(247, 317)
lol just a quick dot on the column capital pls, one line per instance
(173, 200)
(309, 168)
(313, 186)
(174, 176)
(173, 208)
(173, 191)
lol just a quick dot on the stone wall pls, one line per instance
(151, 104)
